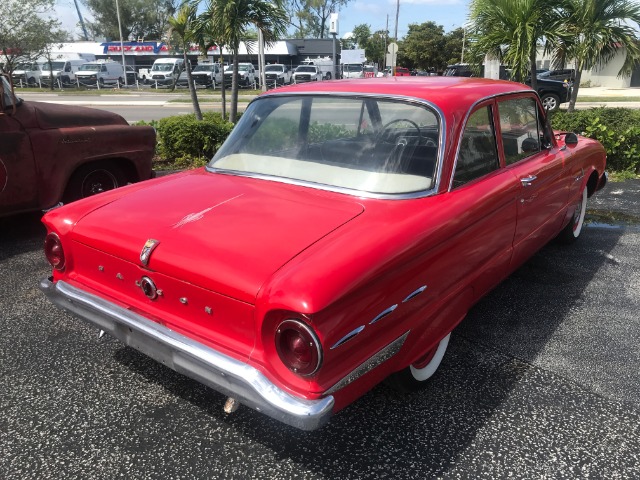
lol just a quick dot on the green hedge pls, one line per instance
(186, 142)
(618, 129)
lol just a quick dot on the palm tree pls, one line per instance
(205, 38)
(230, 24)
(181, 24)
(510, 30)
(595, 31)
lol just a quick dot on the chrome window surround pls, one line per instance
(359, 193)
(464, 125)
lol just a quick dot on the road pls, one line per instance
(540, 381)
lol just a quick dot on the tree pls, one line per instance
(181, 25)
(311, 17)
(230, 22)
(423, 47)
(454, 42)
(595, 31)
(26, 30)
(139, 18)
(510, 30)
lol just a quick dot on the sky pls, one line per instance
(451, 14)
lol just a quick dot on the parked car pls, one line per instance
(132, 76)
(52, 153)
(277, 74)
(306, 73)
(246, 75)
(402, 72)
(165, 71)
(553, 92)
(26, 74)
(100, 73)
(564, 75)
(335, 240)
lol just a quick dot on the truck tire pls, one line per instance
(93, 178)
(328, 77)
(550, 101)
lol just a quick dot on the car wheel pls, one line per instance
(415, 376)
(101, 82)
(92, 179)
(550, 101)
(328, 77)
(571, 232)
(31, 81)
(65, 80)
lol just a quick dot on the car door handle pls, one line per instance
(527, 181)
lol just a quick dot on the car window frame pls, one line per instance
(484, 103)
(440, 156)
(543, 119)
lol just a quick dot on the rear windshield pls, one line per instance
(374, 145)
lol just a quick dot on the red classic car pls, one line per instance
(335, 240)
(52, 153)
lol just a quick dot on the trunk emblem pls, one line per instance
(148, 248)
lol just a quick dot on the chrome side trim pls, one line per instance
(384, 314)
(372, 362)
(348, 337)
(415, 293)
(221, 372)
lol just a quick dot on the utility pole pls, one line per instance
(84, 29)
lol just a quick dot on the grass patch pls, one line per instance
(605, 100)
(611, 217)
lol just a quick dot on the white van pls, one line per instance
(100, 73)
(64, 71)
(165, 71)
(26, 74)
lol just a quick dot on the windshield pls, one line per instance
(27, 66)
(274, 68)
(352, 68)
(369, 69)
(304, 68)
(162, 67)
(88, 67)
(203, 68)
(243, 68)
(378, 146)
(53, 66)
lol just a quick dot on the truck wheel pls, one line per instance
(31, 81)
(65, 80)
(550, 102)
(93, 178)
(328, 77)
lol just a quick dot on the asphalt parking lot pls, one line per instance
(540, 381)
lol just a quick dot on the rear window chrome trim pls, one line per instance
(347, 191)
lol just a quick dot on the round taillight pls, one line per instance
(298, 347)
(54, 252)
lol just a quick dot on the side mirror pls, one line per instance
(571, 139)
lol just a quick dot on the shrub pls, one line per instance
(187, 142)
(618, 129)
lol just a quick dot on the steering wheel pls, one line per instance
(385, 132)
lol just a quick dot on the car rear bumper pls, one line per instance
(184, 355)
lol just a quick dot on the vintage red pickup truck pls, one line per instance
(51, 153)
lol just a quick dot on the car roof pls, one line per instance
(461, 92)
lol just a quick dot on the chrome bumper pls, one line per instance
(184, 355)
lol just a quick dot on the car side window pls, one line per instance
(521, 128)
(478, 153)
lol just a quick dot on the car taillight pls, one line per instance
(298, 347)
(54, 252)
